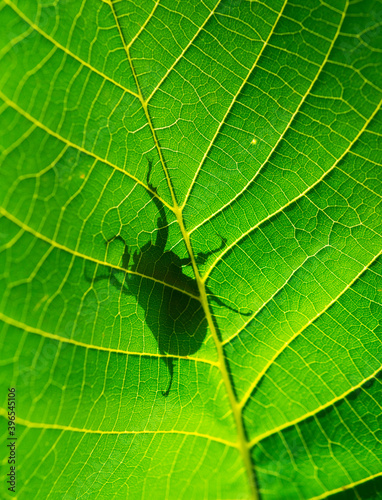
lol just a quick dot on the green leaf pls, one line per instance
(191, 203)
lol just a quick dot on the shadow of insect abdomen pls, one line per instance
(175, 318)
(178, 323)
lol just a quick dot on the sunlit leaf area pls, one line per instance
(190, 249)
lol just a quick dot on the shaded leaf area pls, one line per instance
(323, 445)
(191, 234)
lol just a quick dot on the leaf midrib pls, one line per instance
(242, 442)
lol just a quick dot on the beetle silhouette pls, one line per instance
(173, 311)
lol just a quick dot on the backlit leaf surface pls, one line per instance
(261, 122)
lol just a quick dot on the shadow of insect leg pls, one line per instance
(221, 303)
(126, 253)
(202, 257)
(112, 272)
(169, 362)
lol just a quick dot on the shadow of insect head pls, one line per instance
(170, 298)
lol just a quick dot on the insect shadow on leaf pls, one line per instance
(173, 311)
